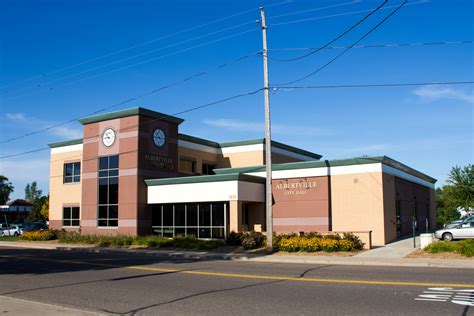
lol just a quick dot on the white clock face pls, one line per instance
(159, 137)
(108, 138)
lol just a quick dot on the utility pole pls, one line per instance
(268, 139)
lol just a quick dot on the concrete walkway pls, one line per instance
(390, 255)
(397, 249)
(14, 306)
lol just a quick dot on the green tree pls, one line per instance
(457, 194)
(461, 180)
(33, 195)
(44, 212)
(445, 213)
(6, 188)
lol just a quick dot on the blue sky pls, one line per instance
(429, 128)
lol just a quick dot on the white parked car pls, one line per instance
(463, 230)
(6, 230)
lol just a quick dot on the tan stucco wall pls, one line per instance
(199, 156)
(243, 159)
(235, 216)
(357, 204)
(60, 193)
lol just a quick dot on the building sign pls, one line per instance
(296, 188)
(160, 161)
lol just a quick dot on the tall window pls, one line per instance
(71, 216)
(108, 191)
(72, 172)
(187, 166)
(201, 220)
(208, 168)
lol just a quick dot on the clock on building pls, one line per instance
(108, 138)
(159, 137)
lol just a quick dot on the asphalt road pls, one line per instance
(137, 284)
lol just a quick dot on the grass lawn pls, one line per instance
(9, 238)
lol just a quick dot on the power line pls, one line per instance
(148, 122)
(314, 9)
(44, 84)
(142, 44)
(342, 14)
(199, 74)
(377, 45)
(372, 85)
(139, 55)
(351, 28)
(348, 48)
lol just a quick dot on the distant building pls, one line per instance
(15, 211)
(134, 173)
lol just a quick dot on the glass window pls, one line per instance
(193, 219)
(191, 213)
(187, 166)
(217, 214)
(108, 192)
(204, 215)
(72, 172)
(71, 216)
(156, 215)
(179, 215)
(208, 168)
(168, 215)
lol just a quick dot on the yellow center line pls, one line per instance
(251, 276)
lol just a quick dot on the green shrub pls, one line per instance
(313, 235)
(234, 239)
(345, 245)
(441, 246)
(332, 236)
(357, 244)
(252, 240)
(466, 247)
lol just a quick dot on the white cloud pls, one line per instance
(279, 129)
(15, 116)
(67, 132)
(436, 92)
(64, 131)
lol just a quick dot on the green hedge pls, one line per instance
(248, 240)
(148, 241)
(463, 247)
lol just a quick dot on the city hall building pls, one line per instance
(134, 173)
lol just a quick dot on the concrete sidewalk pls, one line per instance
(397, 249)
(391, 256)
(14, 306)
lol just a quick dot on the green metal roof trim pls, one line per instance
(398, 165)
(66, 143)
(331, 163)
(296, 150)
(203, 179)
(198, 140)
(130, 112)
(274, 144)
(209, 143)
